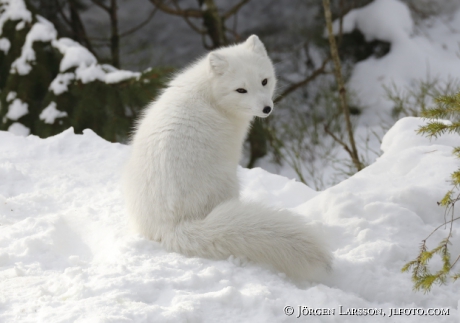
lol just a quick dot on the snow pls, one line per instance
(20, 25)
(19, 129)
(387, 20)
(87, 69)
(427, 55)
(11, 96)
(90, 73)
(13, 10)
(61, 83)
(50, 113)
(42, 31)
(5, 45)
(74, 54)
(67, 254)
(118, 76)
(17, 109)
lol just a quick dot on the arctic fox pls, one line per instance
(181, 181)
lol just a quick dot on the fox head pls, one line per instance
(243, 78)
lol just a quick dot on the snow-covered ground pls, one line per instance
(68, 255)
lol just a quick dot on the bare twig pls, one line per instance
(436, 229)
(203, 41)
(187, 19)
(214, 24)
(311, 77)
(142, 24)
(234, 9)
(455, 262)
(75, 24)
(195, 28)
(353, 152)
(61, 12)
(160, 4)
(115, 37)
(337, 139)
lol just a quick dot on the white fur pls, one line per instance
(181, 181)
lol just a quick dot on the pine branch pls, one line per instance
(456, 152)
(338, 140)
(437, 128)
(353, 151)
(447, 108)
(456, 178)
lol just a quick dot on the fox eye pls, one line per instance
(264, 82)
(241, 90)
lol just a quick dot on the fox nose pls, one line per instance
(267, 110)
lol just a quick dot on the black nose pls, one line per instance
(267, 110)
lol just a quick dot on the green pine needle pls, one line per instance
(456, 152)
(447, 199)
(456, 177)
(448, 107)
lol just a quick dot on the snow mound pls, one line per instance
(67, 255)
(387, 20)
(427, 55)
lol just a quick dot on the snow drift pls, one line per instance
(67, 255)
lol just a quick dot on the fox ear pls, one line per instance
(254, 44)
(218, 63)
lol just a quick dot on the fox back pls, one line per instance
(188, 143)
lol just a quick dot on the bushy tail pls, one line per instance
(262, 234)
